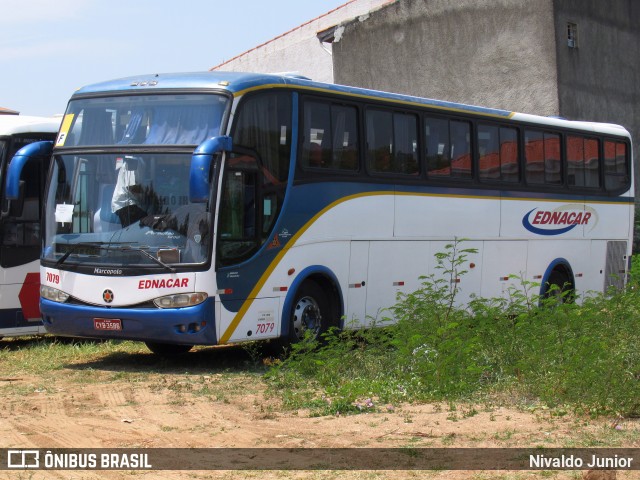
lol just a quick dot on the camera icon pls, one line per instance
(23, 459)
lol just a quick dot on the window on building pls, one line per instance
(572, 35)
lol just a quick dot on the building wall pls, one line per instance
(600, 79)
(495, 53)
(299, 50)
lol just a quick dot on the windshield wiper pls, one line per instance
(75, 247)
(111, 246)
(148, 255)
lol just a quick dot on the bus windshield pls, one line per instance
(142, 120)
(112, 203)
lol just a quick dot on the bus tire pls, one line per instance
(168, 349)
(560, 286)
(310, 312)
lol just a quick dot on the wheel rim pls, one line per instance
(306, 317)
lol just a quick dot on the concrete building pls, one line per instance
(572, 58)
(300, 50)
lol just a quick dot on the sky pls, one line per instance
(49, 49)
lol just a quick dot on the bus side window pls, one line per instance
(237, 224)
(552, 159)
(583, 161)
(616, 172)
(392, 142)
(575, 161)
(498, 153)
(379, 141)
(460, 149)
(330, 138)
(448, 148)
(488, 153)
(542, 158)
(255, 184)
(437, 148)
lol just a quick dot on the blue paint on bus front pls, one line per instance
(144, 324)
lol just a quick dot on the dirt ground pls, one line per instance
(100, 405)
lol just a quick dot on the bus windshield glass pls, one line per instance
(142, 120)
(112, 202)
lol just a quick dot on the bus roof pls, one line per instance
(238, 83)
(15, 124)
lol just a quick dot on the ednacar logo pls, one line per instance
(560, 220)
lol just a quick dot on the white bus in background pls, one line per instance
(214, 208)
(20, 226)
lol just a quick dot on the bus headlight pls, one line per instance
(53, 294)
(180, 300)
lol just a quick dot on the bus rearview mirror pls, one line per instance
(25, 154)
(201, 164)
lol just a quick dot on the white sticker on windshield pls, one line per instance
(64, 213)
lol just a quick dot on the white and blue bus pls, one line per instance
(20, 226)
(215, 208)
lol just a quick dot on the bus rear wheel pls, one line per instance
(559, 287)
(168, 349)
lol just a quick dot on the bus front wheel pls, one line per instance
(310, 313)
(168, 349)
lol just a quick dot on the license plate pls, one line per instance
(107, 324)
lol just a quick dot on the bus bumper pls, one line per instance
(187, 326)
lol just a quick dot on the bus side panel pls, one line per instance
(260, 321)
(357, 286)
(595, 271)
(502, 262)
(367, 216)
(445, 217)
(610, 220)
(394, 267)
(467, 280)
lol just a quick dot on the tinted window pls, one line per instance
(498, 153)
(448, 148)
(142, 120)
(392, 142)
(542, 158)
(330, 136)
(264, 125)
(616, 173)
(583, 161)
